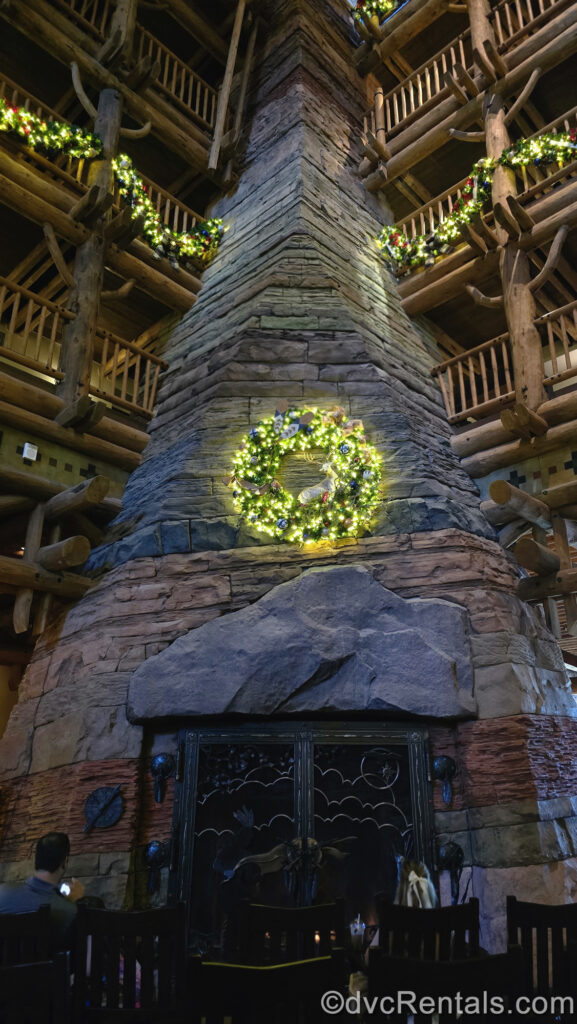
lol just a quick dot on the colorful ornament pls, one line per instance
(330, 508)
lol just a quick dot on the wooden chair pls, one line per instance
(547, 935)
(130, 966)
(443, 933)
(287, 993)
(286, 958)
(273, 935)
(26, 938)
(36, 993)
(484, 978)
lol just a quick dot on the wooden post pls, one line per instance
(23, 599)
(224, 94)
(514, 267)
(524, 505)
(564, 553)
(78, 338)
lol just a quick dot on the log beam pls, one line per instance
(79, 498)
(25, 594)
(26, 192)
(526, 507)
(559, 584)
(64, 554)
(224, 93)
(41, 427)
(49, 405)
(16, 572)
(536, 557)
(523, 422)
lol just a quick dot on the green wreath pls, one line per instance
(340, 505)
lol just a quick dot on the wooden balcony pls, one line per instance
(533, 182)
(31, 327)
(480, 382)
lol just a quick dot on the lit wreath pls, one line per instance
(340, 505)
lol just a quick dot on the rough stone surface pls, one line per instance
(333, 640)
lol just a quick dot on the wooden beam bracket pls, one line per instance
(464, 79)
(56, 253)
(82, 414)
(451, 83)
(92, 205)
(143, 74)
(504, 217)
(524, 219)
(123, 228)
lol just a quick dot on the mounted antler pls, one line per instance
(523, 96)
(490, 301)
(552, 259)
(81, 94)
(136, 133)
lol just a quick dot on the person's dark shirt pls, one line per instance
(34, 893)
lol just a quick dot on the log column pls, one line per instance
(514, 266)
(78, 339)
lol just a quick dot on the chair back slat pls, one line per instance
(26, 938)
(131, 965)
(546, 933)
(500, 976)
(442, 933)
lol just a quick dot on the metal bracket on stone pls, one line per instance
(162, 767)
(444, 770)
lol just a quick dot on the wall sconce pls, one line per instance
(156, 856)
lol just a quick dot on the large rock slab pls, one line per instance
(333, 640)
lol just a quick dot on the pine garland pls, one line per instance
(200, 244)
(53, 137)
(382, 8)
(47, 136)
(407, 253)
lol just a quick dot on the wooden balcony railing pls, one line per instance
(477, 382)
(178, 84)
(92, 16)
(422, 87)
(514, 20)
(125, 374)
(31, 329)
(532, 182)
(558, 331)
(181, 86)
(72, 172)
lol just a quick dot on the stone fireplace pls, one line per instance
(408, 638)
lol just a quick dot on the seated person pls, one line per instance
(42, 888)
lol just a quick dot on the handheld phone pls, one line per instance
(65, 889)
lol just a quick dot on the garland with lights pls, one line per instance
(381, 8)
(200, 244)
(407, 253)
(48, 136)
(340, 505)
(52, 137)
